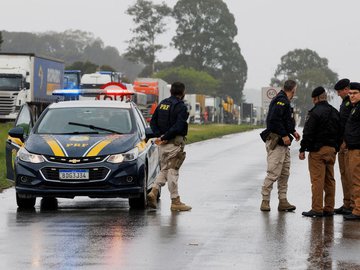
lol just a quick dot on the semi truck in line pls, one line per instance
(72, 79)
(98, 79)
(155, 89)
(26, 78)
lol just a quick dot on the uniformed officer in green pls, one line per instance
(169, 124)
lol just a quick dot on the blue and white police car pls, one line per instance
(94, 148)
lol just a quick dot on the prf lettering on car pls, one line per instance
(164, 107)
(280, 103)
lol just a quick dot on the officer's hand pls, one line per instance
(297, 136)
(286, 140)
(302, 155)
(158, 141)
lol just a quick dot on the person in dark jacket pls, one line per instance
(322, 138)
(278, 136)
(352, 140)
(169, 124)
(342, 87)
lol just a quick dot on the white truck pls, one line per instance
(194, 108)
(99, 78)
(27, 79)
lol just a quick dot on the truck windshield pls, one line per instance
(71, 81)
(60, 121)
(10, 82)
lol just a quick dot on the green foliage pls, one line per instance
(204, 132)
(4, 128)
(195, 81)
(205, 39)
(70, 46)
(150, 21)
(85, 67)
(309, 70)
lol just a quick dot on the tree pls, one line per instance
(205, 40)
(309, 70)
(150, 21)
(1, 40)
(196, 82)
(85, 67)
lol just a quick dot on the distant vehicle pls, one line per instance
(28, 79)
(94, 148)
(155, 89)
(72, 79)
(97, 79)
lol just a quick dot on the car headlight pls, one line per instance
(24, 155)
(128, 156)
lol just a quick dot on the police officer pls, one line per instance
(278, 136)
(352, 140)
(169, 123)
(342, 87)
(322, 138)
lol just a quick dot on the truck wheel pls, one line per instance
(25, 203)
(140, 202)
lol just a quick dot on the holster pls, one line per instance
(274, 140)
(177, 161)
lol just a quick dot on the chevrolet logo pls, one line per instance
(74, 160)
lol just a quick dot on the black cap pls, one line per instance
(355, 86)
(343, 83)
(317, 91)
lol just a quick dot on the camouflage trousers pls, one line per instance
(172, 156)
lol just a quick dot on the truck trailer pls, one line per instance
(26, 78)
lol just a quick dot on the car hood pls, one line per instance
(80, 145)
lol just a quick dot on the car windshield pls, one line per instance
(85, 120)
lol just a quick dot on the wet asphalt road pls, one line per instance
(221, 180)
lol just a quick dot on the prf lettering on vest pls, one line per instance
(164, 107)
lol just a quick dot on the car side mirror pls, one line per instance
(17, 132)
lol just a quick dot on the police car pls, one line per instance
(94, 148)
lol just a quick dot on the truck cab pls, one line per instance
(72, 79)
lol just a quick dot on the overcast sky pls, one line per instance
(267, 29)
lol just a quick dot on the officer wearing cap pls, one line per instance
(169, 123)
(352, 140)
(321, 138)
(342, 87)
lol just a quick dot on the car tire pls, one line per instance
(25, 203)
(49, 203)
(140, 202)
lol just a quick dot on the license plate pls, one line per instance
(74, 174)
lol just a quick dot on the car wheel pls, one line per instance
(49, 203)
(25, 203)
(140, 202)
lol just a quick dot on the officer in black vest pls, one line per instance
(342, 88)
(169, 124)
(322, 139)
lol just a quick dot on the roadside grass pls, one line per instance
(4, 128)
(204, 132)
(196, 133)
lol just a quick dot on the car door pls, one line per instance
(25, 120)
(152, 151)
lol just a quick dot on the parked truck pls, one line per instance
(72, 79)
(98, 79)
(27, 79)
(155, 89)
